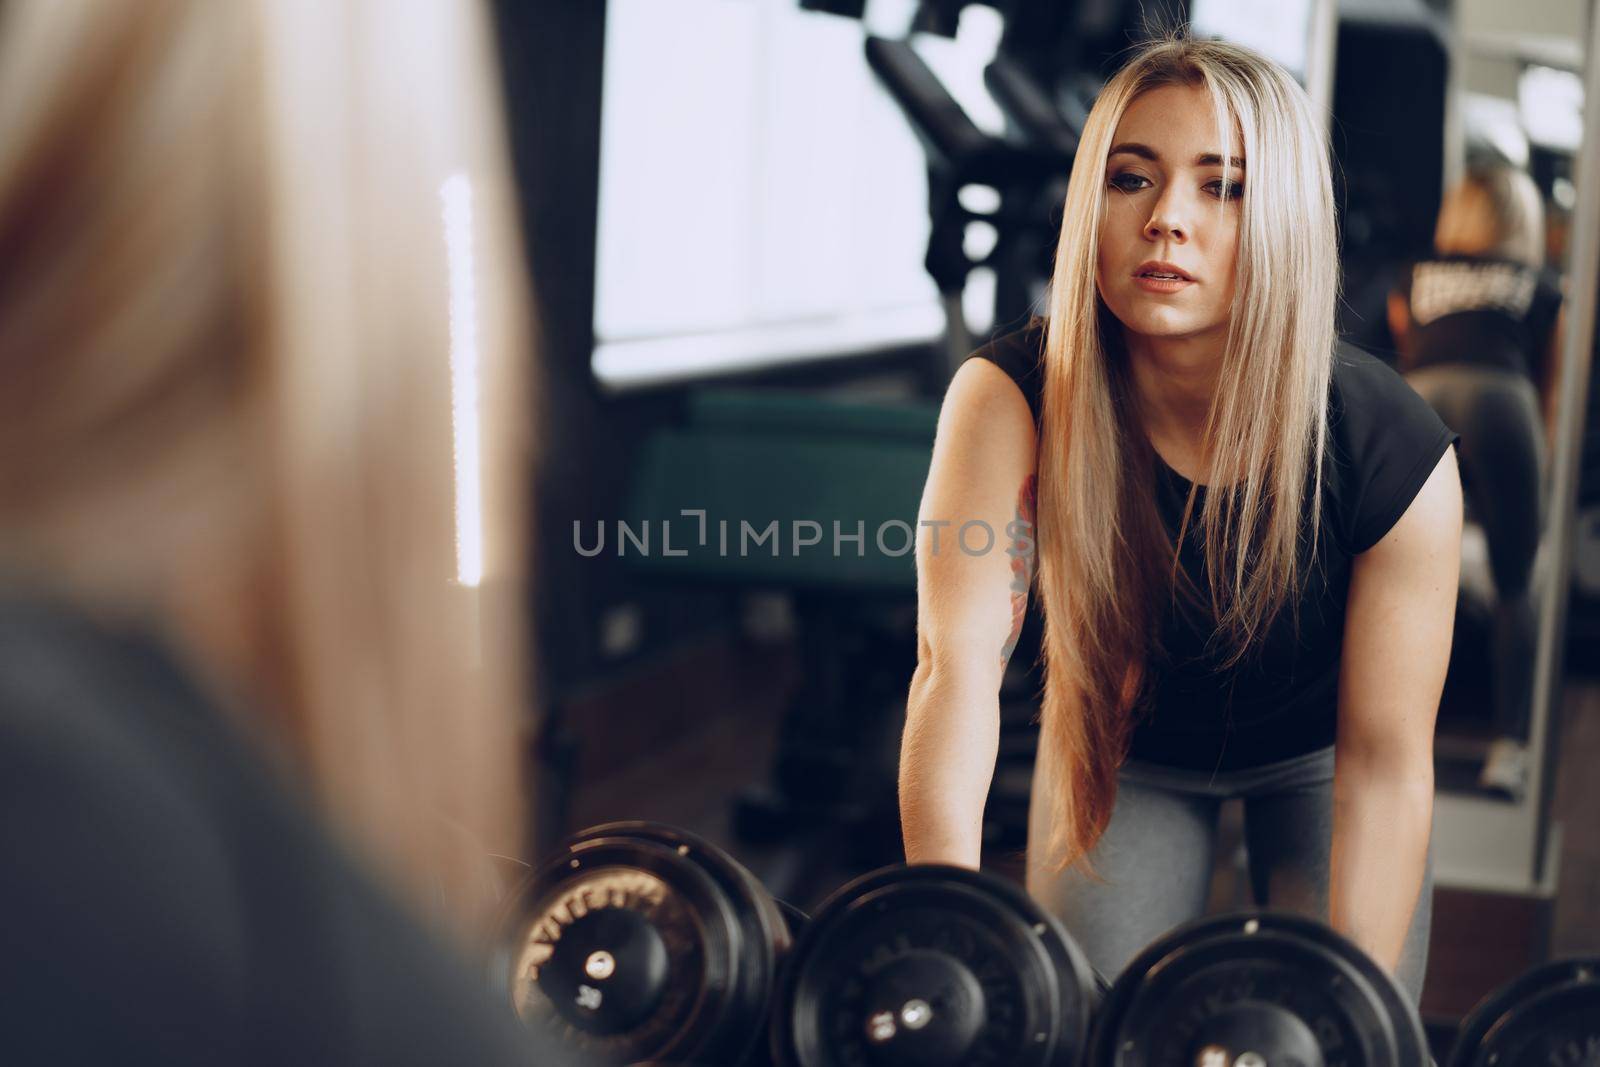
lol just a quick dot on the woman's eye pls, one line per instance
(1225, 190)
(1128, 183)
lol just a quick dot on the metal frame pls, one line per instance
(1577, 351)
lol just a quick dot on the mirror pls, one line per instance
(1516, 132)
(766, 231)
(1517, 118)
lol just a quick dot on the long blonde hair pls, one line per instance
(1494, 210)
(1105, 571)
(243, 246)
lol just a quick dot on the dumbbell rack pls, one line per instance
(638, 942)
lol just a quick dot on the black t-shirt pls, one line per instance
(167, 900)
(1480, 311)
(1384, 441)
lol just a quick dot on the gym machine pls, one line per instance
(762, 458)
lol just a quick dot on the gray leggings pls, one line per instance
(1496, 412)
(1157, 855)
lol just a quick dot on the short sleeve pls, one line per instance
(1021, 355)
(1386, 442)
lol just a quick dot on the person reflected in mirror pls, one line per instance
(1477, 327)
(1246, 537)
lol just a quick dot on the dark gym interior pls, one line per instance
(462, 592)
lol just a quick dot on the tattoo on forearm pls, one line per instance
(1020, 531)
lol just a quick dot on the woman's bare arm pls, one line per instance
(972, 589)
(1396, 649)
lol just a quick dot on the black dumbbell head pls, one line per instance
(1550, 1015)
(932, 965)
(641, 942)
(1255, 989)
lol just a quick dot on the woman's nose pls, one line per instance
(1162, 224)
(1167, 218)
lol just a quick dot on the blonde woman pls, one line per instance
(1478, 332)
(255, 263)
(1246, 540)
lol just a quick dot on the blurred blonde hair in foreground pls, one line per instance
(249, 252)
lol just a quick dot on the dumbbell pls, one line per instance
(642, 943)
(1256, 989)
(1549, 1016)
(933, 965)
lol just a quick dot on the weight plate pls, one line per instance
(1549, 1017)
(932, 965)
(763, 914)
(1257, 988)
(639, 942)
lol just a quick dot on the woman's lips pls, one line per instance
(1161, 285)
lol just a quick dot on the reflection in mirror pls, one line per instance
(788, 224)
(1487, 315)
(1475, 323)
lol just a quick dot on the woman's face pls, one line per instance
(1170, 209)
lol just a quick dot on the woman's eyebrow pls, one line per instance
(1144, 151)
(1133, 148)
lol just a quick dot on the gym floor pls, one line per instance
(710, 734)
